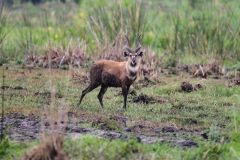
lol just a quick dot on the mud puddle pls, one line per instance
(23, 128)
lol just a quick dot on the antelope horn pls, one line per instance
(127, 44)
(138, 44)
(127, 41)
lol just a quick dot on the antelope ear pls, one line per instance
(125, 53)
(140, 53)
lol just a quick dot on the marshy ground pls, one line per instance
(41, 100)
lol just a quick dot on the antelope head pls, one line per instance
(134, 55)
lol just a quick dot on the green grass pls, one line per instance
(186, 32)
(13, 150)
(90, 147)
(215, 99)
(208, 110)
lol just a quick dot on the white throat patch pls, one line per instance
(132, 70)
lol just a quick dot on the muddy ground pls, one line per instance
(27, 91)
(21, 127)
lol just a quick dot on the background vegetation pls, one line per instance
(185, 30)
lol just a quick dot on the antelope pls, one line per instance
(109, 73)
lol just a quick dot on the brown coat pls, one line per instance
(110, 73)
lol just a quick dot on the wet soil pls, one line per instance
(143, 98)
(13, 87)
(188, 87)
(29, 127)
(47, 94)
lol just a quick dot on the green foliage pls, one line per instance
(89, 147)
(212, 152)
(106, 22)
(236, 66)
(207, 31)
(3, 23)
(177, 28)
(215, 133)
(4, 145)
(225, 92)
(3, 31)
(92, 147)
(11, 150)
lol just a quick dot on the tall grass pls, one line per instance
(208, 30)
(106, 22)
(175, 28)
(3, 30)
(3, 20)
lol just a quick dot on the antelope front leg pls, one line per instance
(125, 93)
